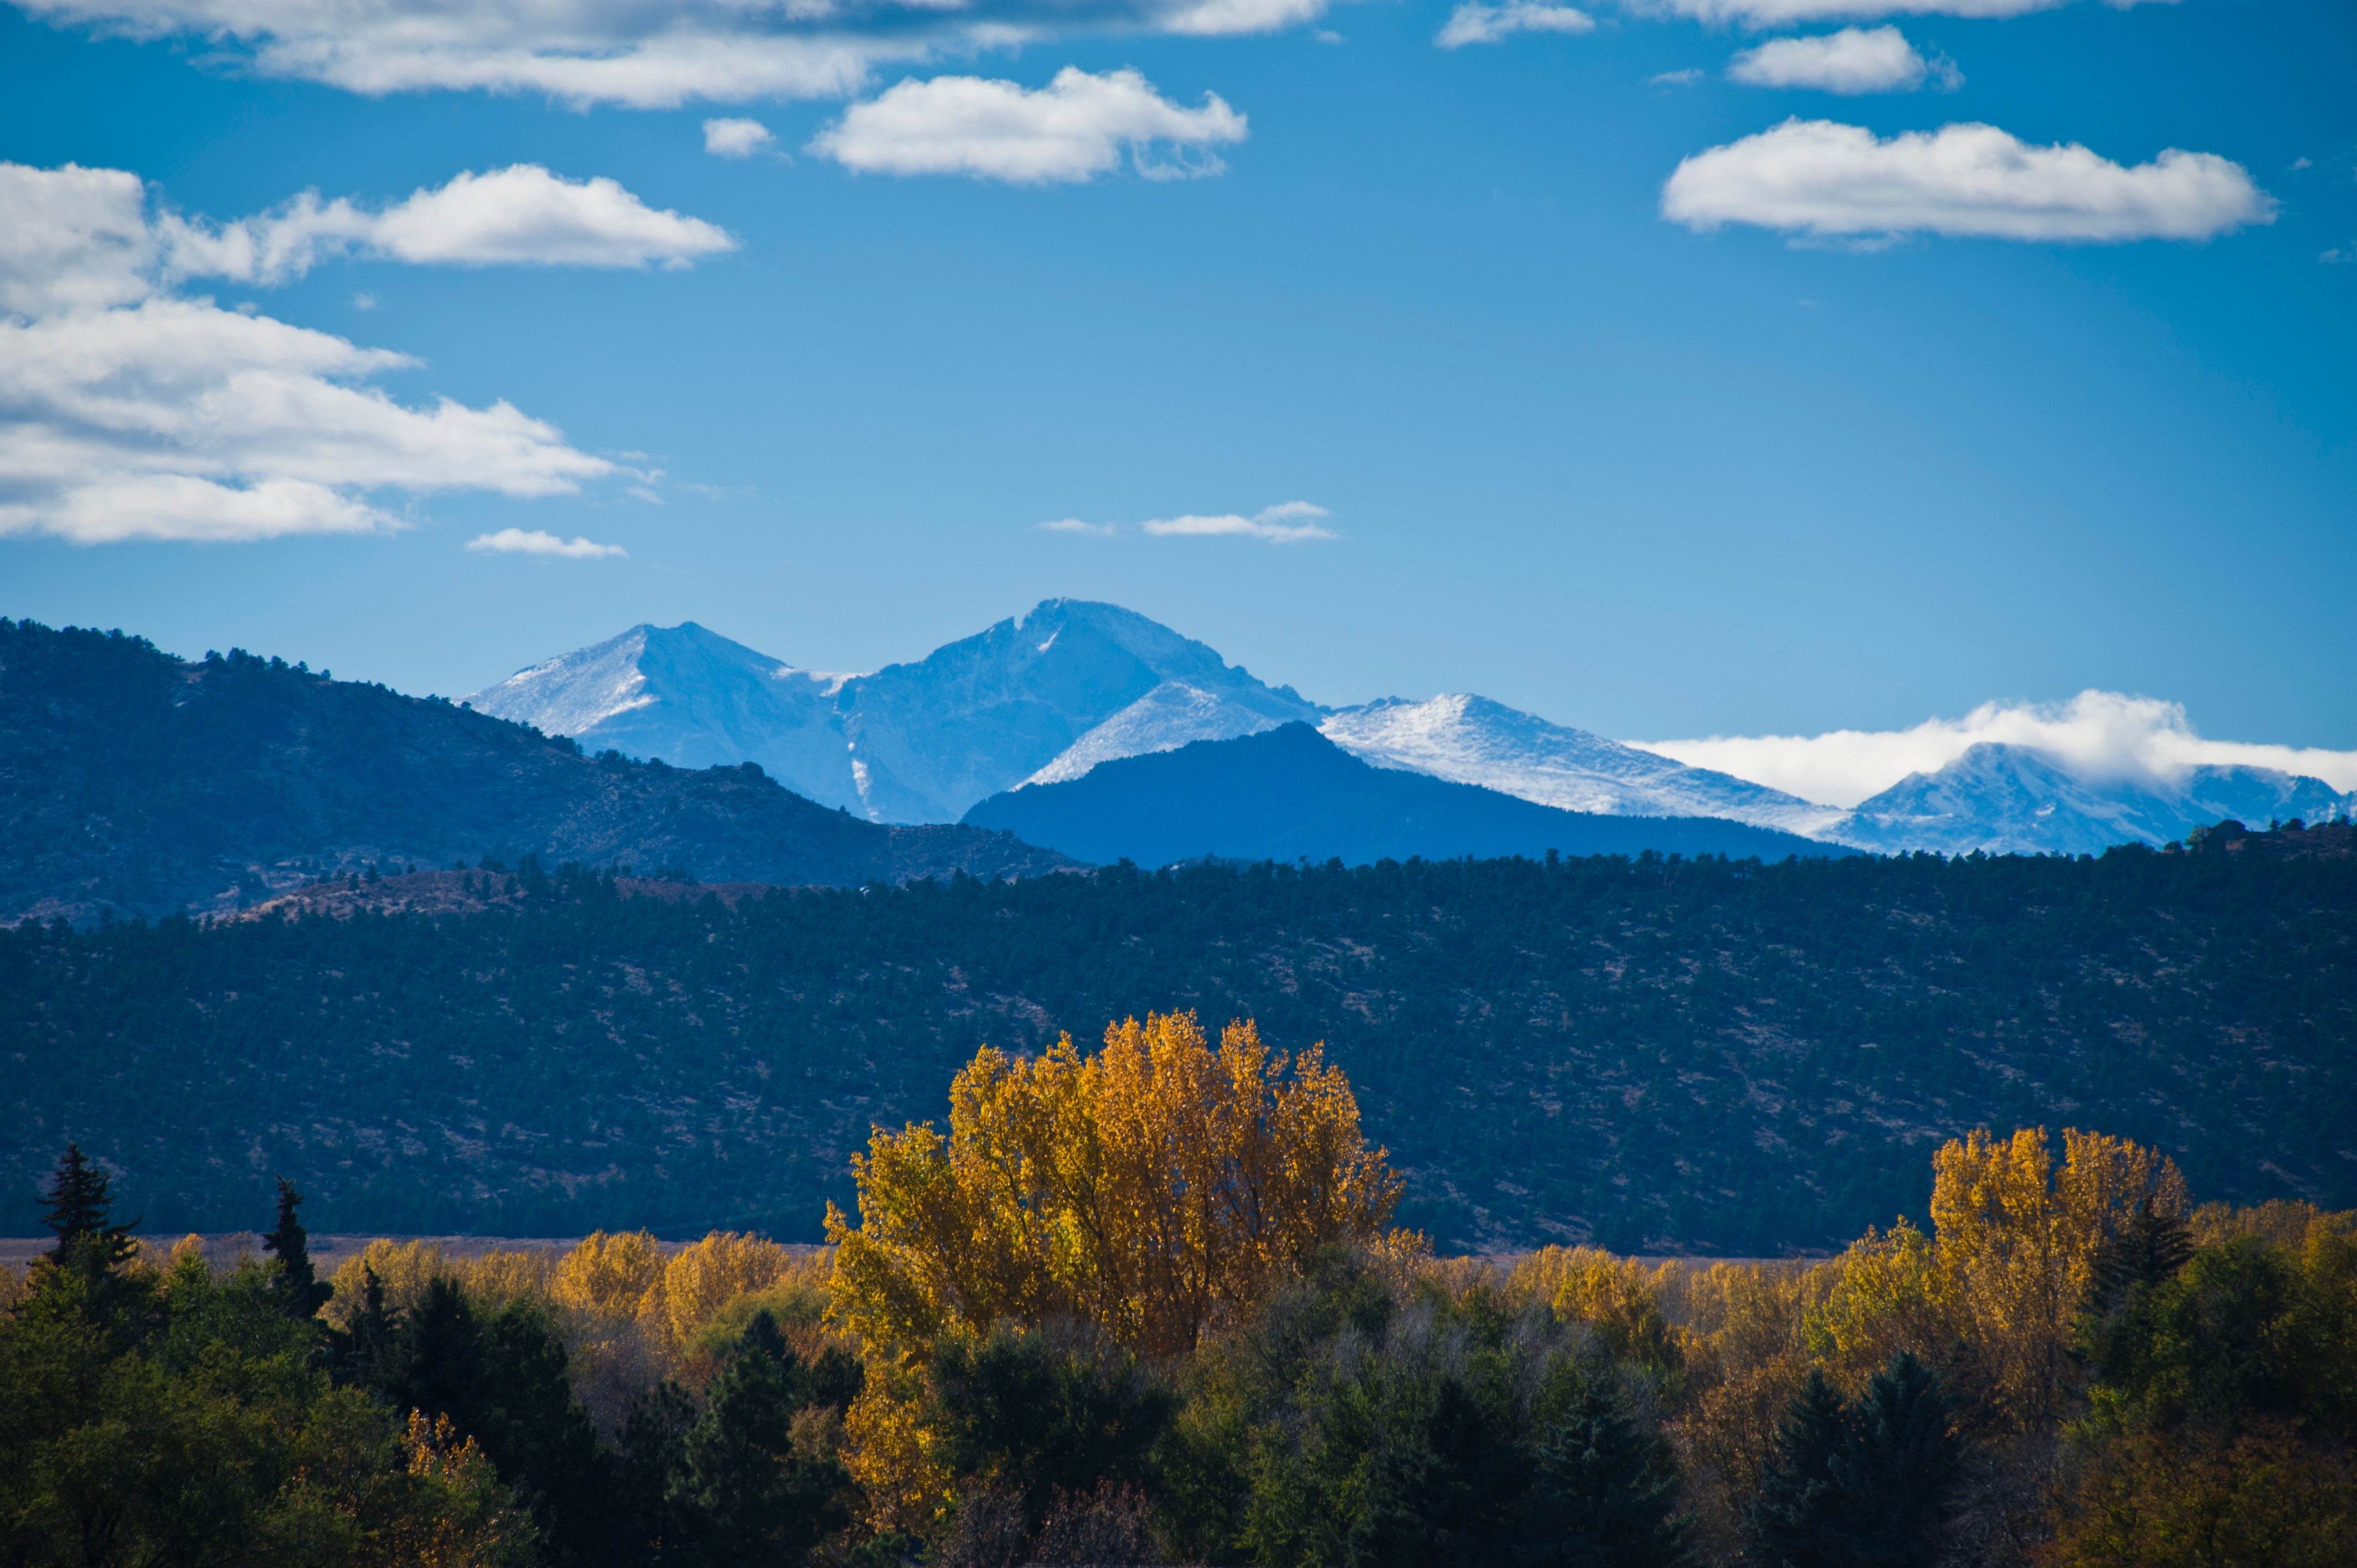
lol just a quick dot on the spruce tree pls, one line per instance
(1899, 1457)
(1604, 1495)
(80, 1210)
(753, 1498)
(1796, 1520)
(300, 1293)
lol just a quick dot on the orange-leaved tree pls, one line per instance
(1149, 1189)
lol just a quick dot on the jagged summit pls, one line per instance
(913, 742)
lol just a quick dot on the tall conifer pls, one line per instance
(80, 1210)
(1796, 1522)
(1897, 1462)
(300, 1292)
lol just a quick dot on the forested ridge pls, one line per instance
(1658, 1054)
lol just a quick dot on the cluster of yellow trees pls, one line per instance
(1152, 1189)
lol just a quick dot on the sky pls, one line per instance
(1670, 368)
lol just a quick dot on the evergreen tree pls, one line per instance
(1899, 1457)
(80, 1210)
(753, 1498)
(1796, 1520)
(300, 1292)
(1604, 1496)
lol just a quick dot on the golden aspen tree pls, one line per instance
(1148, 1189)
(2017, 1244)
(702, 1279)
(608, 1274)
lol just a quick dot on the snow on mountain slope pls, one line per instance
(1472, 740)
(911, 743)
(1167, 717)
(982, 714)
(693, 698)
(2015, 799)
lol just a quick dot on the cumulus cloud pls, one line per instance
(2097, 734)
(1854, 60)
(1476, 24)
(1818, 179)
(518, 216)
(644, 54)
(128, 411)
(1075, 128)
(538, 542)
(736, 139)
(1277, 524)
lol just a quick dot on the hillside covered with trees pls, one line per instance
(1710, 1056)
(133, 782)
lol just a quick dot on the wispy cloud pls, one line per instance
(1475, 23)
(737, 138)
(536, 541)
(127, 412)
(637, 54)
(518, 216)
(1818, 179)
(1289, 522)
(1685, 78)
(1854, 60)
(1075, 128)
(2099, 734)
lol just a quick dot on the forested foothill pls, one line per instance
(1651, 1054)
(1148, 1303)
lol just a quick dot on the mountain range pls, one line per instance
(1291, 793)
(135, 783)
(1045, 698)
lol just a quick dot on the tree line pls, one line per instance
(1651, 1055)
(1152, 1304)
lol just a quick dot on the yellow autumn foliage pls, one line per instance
(1151, 1189)
(2016, 1239)
(1619, 1298)
(700, 1279)
(610, 1274)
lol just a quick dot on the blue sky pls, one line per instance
(1823, 455)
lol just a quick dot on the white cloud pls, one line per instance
(72, 237)
(129, 413)
(736, 139)
(1274, 524)
(1797, 13)
(1075, 128)
(1227, 19)
(2098, 734)
(1074, 525)
(1819, 178)
(537, 541)
(1474, 23)
(1854, 60)
(644, 54)
(522, 215)
(1685, 78)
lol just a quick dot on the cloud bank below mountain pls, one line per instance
(2098, 734)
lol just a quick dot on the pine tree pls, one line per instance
(755, 1500)
(1604, 1495)
(79, 1209)
(1796, 1520)
(1898, 1459)
(300, 1293)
